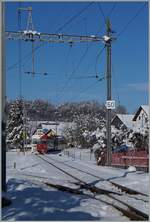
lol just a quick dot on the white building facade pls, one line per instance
(141, 119)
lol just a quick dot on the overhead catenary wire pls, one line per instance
(28, 55)
(83, 56)
(104, 17)
(67, 57)
(74, 17)
(58, 30)
(118, 36)
(85, 90)
(112, 9)
(129, 21)
(97, 57)
(132, 19)
(101, 11)
(92, 75)
(115, 84)
(121, 32)
(89, 87)
(62, 91)
(70, 77)
(74, 70)
(108, 15)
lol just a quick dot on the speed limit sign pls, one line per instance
(110, 104)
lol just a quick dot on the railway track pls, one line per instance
(109, 197)
(120, 187)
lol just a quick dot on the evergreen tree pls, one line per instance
(15, 124)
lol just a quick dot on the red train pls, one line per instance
(42, 143)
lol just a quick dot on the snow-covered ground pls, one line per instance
(33, 200)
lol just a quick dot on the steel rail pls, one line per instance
(83, 184)
(128, 211)
(123, 188)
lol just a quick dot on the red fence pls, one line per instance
(135, 158)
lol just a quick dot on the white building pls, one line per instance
(141, 119)
(123, 121)
(57, 127)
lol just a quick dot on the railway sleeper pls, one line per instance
(128, 190)
(128, 212)
(132, 209)
(64, 188)
(98, 190)
(131, 214)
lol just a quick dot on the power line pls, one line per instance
(86, 89)
(112, 9)
(90, 86)
(101, 11)
(26, 57)
(90, 76)
(109, 14)
(60, 17)
(92, 61)
(87, 50)
(74, 17)
(96, 74)
(97, 57)
(131, 20)
(70, 77)
(120, 33)
(66, 59)
(79, 63)
(76, 68)
(115, 83)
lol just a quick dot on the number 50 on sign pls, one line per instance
(110, 104)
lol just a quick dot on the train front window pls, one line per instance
(34, 141)
(43, 142)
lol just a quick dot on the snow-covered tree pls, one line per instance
(14, 126)
(99, 150)
(139, 140)
(82, 134)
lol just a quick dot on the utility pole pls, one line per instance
(3, 120)
(109, 96)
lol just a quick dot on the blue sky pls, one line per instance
(65, 64)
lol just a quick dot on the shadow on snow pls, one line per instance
(34, 203)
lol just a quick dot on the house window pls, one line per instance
(139, 117)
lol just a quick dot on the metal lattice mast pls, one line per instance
(30, 20)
